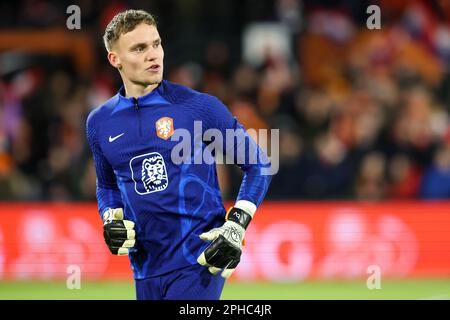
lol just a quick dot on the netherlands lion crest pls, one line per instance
(164, 128)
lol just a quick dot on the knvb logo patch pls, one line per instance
(164, 128)
(149, 173)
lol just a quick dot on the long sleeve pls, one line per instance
(241, 150)
(107, 191)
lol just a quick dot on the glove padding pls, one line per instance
(225, 250)
(119, 234)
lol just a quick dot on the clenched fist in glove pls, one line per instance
(119, 234)
(225, 250)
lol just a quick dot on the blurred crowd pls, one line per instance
(363, 114)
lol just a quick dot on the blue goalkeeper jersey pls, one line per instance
(171, 201)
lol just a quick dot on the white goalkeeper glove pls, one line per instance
(225, 250)
(119, 234)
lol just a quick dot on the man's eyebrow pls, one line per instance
(144, 44)
(140, 44)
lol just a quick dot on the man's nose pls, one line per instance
(150, 56)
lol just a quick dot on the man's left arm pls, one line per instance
(226, 247)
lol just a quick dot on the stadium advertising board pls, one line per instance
(286, 242)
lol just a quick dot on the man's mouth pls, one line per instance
(154, 68)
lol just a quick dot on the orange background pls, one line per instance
(285, 242)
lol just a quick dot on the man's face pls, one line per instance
(139, 55)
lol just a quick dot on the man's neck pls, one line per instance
(136, 91)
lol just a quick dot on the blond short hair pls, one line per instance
(124, 22)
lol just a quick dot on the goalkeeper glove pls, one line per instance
(225, 250)
(119, 234)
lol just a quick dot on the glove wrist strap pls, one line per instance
(107, 215)
(239, 216)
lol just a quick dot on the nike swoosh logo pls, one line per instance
(112, 139)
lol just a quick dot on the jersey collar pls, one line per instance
(152, 98)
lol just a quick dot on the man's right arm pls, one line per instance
(107, 192)
(119, 234)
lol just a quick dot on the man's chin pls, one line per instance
(148, 81)
(154, 81)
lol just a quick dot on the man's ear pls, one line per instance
(114, 60)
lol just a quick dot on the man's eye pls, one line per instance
(139, 49)
(156, 45)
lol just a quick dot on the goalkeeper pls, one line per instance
(167, 215)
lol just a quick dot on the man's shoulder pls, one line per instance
(178, 93)
(102, 110)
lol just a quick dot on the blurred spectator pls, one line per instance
(289, 178)
(436, 180)
(370, 182)
(404, 177)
